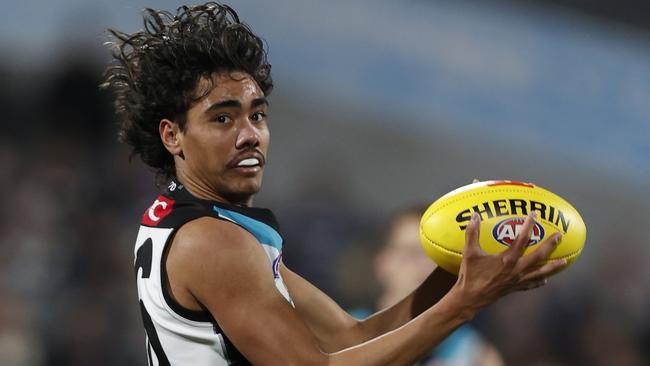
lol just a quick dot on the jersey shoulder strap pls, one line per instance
(176, 206)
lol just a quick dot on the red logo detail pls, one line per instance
(510, 183)
(160, 208)
(506, 231)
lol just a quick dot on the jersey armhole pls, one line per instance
(180, 310)
(232, 354)
(189, 314)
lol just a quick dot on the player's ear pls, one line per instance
(171, 136)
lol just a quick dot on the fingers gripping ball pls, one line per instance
(503, 206)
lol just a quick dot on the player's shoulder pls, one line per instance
(207, 250)
(211, 233)
(197, 222)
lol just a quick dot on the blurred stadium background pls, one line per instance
(378, 105)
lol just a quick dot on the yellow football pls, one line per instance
(503, 206)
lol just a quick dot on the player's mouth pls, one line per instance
(248, 163)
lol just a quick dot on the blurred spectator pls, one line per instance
(64, 260)
(400, 267)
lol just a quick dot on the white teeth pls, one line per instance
(249, 162)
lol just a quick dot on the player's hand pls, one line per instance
(484, 278)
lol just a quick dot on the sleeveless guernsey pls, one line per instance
(176, 335)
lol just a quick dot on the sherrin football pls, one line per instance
(503, 206)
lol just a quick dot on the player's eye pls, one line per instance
(222, 118)
(258, 116)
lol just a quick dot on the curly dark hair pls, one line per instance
(158, 70)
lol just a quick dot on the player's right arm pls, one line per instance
(225, 269)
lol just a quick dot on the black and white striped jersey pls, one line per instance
(176, 335)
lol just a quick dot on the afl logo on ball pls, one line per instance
(507, 230)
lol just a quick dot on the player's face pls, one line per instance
(402, 265)
(226, 138)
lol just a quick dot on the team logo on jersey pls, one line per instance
(160, 208)
(276, 266)
(507, 230)
(173, 186)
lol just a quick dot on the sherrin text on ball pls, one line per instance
(502, 206)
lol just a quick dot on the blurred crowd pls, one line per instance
(72, 201)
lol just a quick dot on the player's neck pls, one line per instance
(203, 191)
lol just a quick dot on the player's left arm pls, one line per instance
(335, 329)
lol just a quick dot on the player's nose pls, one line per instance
(247, 136)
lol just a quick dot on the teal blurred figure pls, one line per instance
(400, 267)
